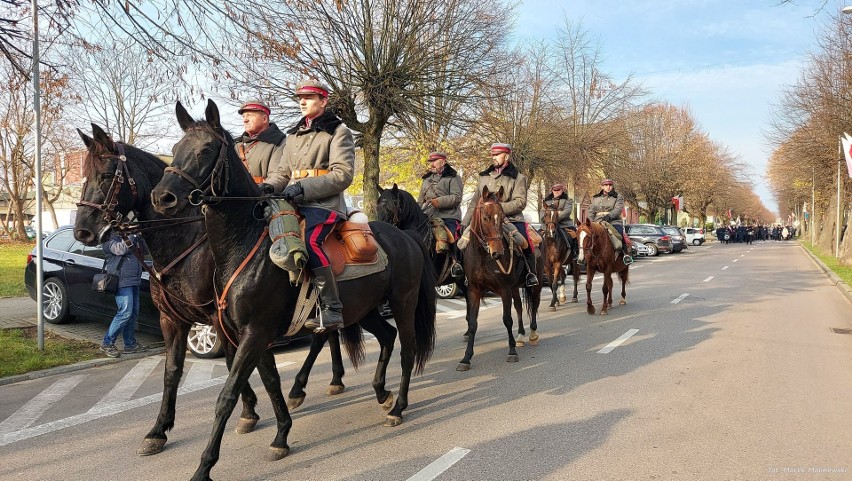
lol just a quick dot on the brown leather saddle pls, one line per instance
(350, 243)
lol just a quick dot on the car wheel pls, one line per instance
(447, 291)
(696, 242)
(204, 342)
(652, 249)
(55, 299)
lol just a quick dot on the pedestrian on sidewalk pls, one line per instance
(120, 259)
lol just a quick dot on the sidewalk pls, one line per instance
(832, 277)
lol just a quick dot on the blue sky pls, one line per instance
(727, 60)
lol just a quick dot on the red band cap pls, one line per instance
(261, 108)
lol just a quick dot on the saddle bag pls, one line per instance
(439, 230)
(534, 236)
(288, 250)
(359, 241)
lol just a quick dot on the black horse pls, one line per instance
(260, 295)
(490, 263)
(119, 180)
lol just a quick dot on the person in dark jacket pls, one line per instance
(440, 196)
(120, 259)
(261, 145)
(607, 205)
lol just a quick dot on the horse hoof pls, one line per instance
(622, 302)
(393, 421)
(388, 404)
(277, 453)
(462, 366)
(604, 313)
(151, 446)
(512, 358)
(294, 402)
(590, 311)
(553, 308)
(334, 390)
(520, 340)
(563, 299)
(574, 300)
(534, 338)
(245, 425)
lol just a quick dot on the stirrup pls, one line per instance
(531, 280)
(456, 270)
(627, 260)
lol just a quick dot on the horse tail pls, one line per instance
(527, 294)
(354, 342)
(424, 315)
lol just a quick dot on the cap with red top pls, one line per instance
(308, 87)
(607, 182)
(501, 148)
(437, 155)
(558, 187)
(255, 106)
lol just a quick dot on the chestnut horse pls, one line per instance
(557, 252)
(600, 256)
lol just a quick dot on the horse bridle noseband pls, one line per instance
(198, 195)
(108, 207)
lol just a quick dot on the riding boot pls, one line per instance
(529, 257)
(456, 269)
(331, 309)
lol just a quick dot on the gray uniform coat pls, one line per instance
(447, 188)
(326, 145)
(607, 207)
(514, 186)
(262, 153)
(565, 205)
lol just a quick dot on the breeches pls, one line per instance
(318, 225)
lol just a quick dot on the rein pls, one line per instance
(476, 226)
(108, 207)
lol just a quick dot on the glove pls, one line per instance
(292, 191)
(266, 188)
(434, 203)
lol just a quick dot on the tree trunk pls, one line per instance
(372, 136)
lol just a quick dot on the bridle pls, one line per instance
(122, 173)
(497, 237)
(199, 194)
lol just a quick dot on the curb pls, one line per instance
(78, 366)
(836, 281)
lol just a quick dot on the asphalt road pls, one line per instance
(725, 364)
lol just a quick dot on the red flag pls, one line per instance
(846, 142)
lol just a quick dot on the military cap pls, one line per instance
(254, 105)
(607, 182)
(501, 148)
(558, 187)
(308, 87)
(437, 155)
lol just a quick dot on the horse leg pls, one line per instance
(386, 336)
(590, 274)
(520, 340)
(553, 274)
(623, 276)
(607, 287)
(174, 335)
(248, 418)
(251, 348)
(337, 370)
(296, 396)
(575, 273)
(272, 382)
(507, 295)
(474, 297)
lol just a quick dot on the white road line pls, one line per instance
(680, 298)
(735, 260)
(708, 279)
(441, 308)
(440, 465)
(458, 302)
(198, 372)
(609, 347)
(32, 410)
(128, 385)
(725, 268)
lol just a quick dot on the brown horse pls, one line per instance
(491, 264)
(557, 252)
(600, 256)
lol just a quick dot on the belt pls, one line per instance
(258, 179)
(301, 174)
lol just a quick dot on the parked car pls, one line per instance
(652, 236)
(69, 266)
(639, 249)
(448, 291)
(694, 236)
(678, 238)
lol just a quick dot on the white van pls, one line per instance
(694, 235)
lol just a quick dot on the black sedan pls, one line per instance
(69, 266)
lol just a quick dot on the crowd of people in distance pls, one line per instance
(748, 233)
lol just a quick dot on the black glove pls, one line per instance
(266, 188)
(292, 191)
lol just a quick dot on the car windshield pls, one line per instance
(672, 231)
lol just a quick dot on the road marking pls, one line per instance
(128, 385)
(199, 372)
(609, 347)
(440, 465)
(457, 302)
(679, 298)
(735, 260)
(725, 268)
(742, 255)
(708, 279)
(32, 410)
(442, 308)
(27, 433)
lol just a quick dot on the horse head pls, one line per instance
(586, 240)
(115, 184)
(487, 222)
(201, 166)
(550, 220)
(388, 205)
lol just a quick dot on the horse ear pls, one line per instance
(102, 138)
(87, 141)
(183, 117)
(484, 191)
(212, 114)
(395, 188)
(500, 193)
(379, 188)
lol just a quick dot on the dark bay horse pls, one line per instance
(597, 251)
(259, 294)
(490, 263)
(119, 180)
(557, 252)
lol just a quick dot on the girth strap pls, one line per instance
(222, 301)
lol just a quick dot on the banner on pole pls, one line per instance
(846, 141)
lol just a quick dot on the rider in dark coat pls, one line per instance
(559, 199)
(607, 205)
(440, 196)
(261, 145)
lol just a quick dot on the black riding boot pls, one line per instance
(531, 279)
(331, 309)
(456, 269)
